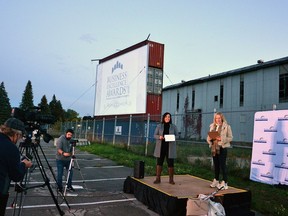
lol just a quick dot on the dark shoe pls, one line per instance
(157, 181)
(158, 174)
(60, 190)
(171, 175)
(171, 182)
(70, 188)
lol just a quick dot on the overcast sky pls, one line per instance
(51, 43)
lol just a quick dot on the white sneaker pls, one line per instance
(214, 184)
(222, 186)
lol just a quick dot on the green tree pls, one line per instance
(56, 109)
(27, 98)
(45, 109)
(5, 111)
(186, 117)
(71, 115)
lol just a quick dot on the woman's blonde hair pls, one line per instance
(221, 115)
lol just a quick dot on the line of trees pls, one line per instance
(54, 107)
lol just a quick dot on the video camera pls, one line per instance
(35, 122)
(73, 142)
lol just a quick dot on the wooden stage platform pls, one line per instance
(166, 199)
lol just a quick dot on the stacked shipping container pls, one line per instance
(154, 77)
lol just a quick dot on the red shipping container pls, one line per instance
(156, 55)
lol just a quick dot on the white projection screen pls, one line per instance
(121, 84)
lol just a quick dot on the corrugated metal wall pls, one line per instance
(156, 60)
(156, 55)
(154, 106)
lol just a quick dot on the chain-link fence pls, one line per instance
(138, 130)
(136, 133)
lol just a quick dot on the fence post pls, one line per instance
(72, 127)
(103, 126)
(76, 128)
(80, 129)
(147, 134)
(86, 128)
(93, 134)
(114, 135)
(129, 132)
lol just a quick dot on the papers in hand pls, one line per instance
(213, 134)
(169, 137)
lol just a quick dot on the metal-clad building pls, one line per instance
(237, 93)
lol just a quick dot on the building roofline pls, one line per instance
(126, 50)
(260, 65)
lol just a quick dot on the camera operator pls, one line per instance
(11, 168)
(63, 158)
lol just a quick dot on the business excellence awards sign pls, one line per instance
(269, 163)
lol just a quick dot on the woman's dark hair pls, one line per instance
(164, 115)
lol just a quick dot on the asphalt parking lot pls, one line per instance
(98, 184)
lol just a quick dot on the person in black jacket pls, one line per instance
(11, 168)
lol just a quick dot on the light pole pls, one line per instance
(94, 110)
(93, 60)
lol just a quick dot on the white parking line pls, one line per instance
(78, 204)
(98, 180)
(79, 159)
(88, 180)
(103, 167)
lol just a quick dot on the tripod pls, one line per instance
(71, 166)
(31, 149)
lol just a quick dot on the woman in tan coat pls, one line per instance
(219, 145)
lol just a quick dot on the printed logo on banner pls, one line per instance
(284, 141)
(269, 152)
(285, 118)
(259, 162)
(281, 166)
(260, 140)
(269, 162)
(261, 118)
(117, 84)
(116, 66)
(267, 175)
(270, 129)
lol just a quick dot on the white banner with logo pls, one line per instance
(269, 163)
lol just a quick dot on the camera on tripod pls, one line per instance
(35, 123)
(73, 142)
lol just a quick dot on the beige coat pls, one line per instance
(226, 135)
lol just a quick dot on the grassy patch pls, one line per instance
(266, 199)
